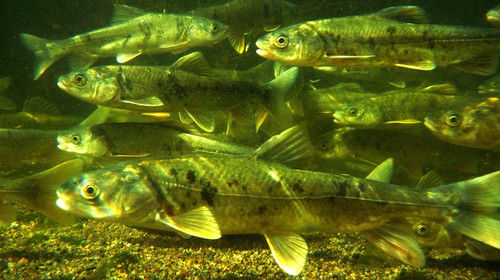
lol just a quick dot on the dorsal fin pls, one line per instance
(40, 105)
(383, 172)
(411, 14)
(289, 147)
(430, 180)
(194, 62)
(123, 13)
(351, 87)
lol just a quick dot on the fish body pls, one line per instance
(473, 126)
(211, 196)
(250, 17)
(140, 140)
(134, 32)
(415, 153)
(407, 107)
(393, 37)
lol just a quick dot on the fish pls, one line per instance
(132, 32)
(250, 17)
(400, 107)
(211, 196)
(26, 150)
(393, 37)
(490, 87)
(472, 126)
(178, 88)
(38, 112)
(415, 153)
(493, 16)
(38, 192)
(159, 140)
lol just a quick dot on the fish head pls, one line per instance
(491, 86)
(117, 194)
(436, 235)
(357, 114)
(204, 31)
(445, 125)
(84, 141)
(97, 85)
(295, 45)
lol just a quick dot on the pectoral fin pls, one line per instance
(132, 156)
(398, 240)
(124, 57)
(199, 222)
(446, 89)
(237, 41)
(204, 119)
(260, 117)
(289, 251)
(408, 121)
(194, 62)
(174, 47)
(152, 101)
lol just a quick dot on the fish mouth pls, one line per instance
(261, 50)
(60, 201)
(62, 85)
(430, 124)
(337, 118)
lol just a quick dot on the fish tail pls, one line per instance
(279, 89)
(477, 213)
(43, 58)
(38, 192)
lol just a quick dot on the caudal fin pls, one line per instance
(477, 214)
(38, 46)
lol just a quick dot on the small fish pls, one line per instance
(187, 87)
(493, 16)
(490, 87)
(400, 107)
(392, 37)
(37, 113)
(132, 32)
(38, 192)
(250, 17)
(473, 126)
(207, 197)
(136, 140)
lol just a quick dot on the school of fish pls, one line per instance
(358, 124)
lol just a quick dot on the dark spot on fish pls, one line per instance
(233, 183)
(208, 194)
(188, 194)
(173, 172)
(127, 37)
(296, 187)
(191, 177)
(270, 190)
(405, 52)
(372, 41)
(183, 206)
(391, 30)
(262, 209)
(362, 187)
(341, 189)
(382, 203)
(128, 84)
(244, 188)
(431, 45)
(424, 35)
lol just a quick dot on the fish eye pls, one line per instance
(453, 120)
(422, 229)
(281, 41)
(214, 28)
(90, 191)
(75, 138)
(80, 79)
(352, 112)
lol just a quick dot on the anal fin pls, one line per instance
(289, 251)
(397, 239)
(125, 57)
(199, 222)
(204, 119)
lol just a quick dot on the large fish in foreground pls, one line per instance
(211, 196)
(392, 37)
(132, 32)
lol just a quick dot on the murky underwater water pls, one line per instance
(373, 88)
